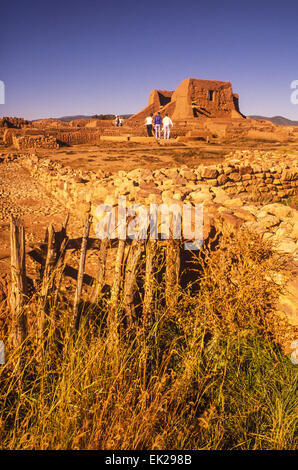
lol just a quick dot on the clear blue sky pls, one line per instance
(91, 56)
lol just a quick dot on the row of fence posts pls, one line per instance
(124, 280)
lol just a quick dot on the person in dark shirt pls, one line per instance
(157, 125)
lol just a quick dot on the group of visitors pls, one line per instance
(118, 121)
(158, 124)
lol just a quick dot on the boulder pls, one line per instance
(280, 210)
(209, 173)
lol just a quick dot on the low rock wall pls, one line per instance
(262, 176)
(242, 190)
(34, 142)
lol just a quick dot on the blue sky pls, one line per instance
(85, 57)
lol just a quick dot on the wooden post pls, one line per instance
(172, 272)
(60, 236)
(78, 293)
(46, 287)
(112, 319)
(18, 282)
(149, 283)
(65, 223)
(99, 282)
(60, 267)
(50, 262)
(62, 241)
(130, 280)
(117, 274)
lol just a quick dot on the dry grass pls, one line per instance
(257, 195)
(205, 376)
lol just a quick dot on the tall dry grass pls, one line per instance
(206, 375)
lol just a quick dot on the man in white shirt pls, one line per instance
(167, 124)
(148, 123)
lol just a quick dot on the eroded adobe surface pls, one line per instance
(194, 98)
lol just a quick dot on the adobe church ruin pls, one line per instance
(205, 110)
(194, 98)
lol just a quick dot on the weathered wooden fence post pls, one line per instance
(149, 283)
(130, 281)
(46, 287)
(60, 267)
(62, 241)
(18, 282)
(172, 272)
(112, 319)
(78, 292)
(99, 281)
(47, 280)
(117, 274)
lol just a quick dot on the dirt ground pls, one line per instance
(114, 156)
(128, 156)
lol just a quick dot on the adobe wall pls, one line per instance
(193, 98)
(203, 98)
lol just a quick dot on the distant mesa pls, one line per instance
(73, 118)
(278, 120)
(193, 99)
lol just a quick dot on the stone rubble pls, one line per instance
(249, 175)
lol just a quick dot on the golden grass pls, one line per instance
(206, 375)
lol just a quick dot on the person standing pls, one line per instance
(157, 125)
(167, 124)
(148, 123)
(117, 120)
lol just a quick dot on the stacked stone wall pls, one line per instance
(34, 142)
(250, 176)
(75, 137)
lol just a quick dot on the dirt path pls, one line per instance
(114, 157)
(22, 196)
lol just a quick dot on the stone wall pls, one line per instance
(243, 179)
(34, 142)
(75, 137)
(14, 122)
